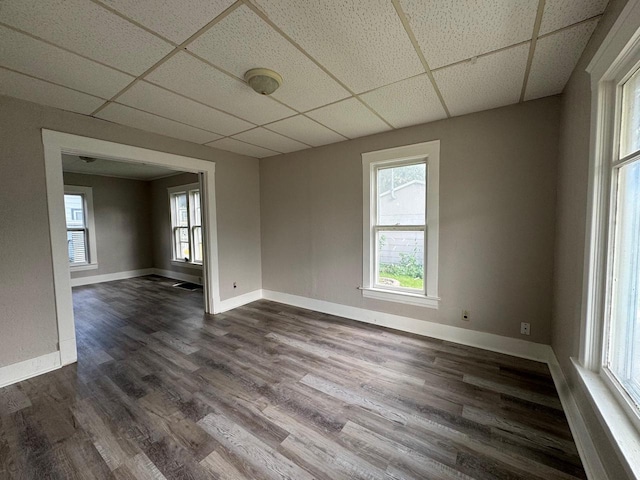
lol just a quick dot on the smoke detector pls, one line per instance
(87, 159)
(263, 80)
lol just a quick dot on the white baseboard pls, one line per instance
(183, 277)
(33, 367)
(240, 300)
(110, 277)
(472, 338)
(587, 450)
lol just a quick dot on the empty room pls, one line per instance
(331, 239)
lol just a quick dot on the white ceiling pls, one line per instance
(111, 168)
(350, 67)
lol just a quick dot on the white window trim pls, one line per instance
(170, 191)
(617, 56)
(430, 153)
(87, 193)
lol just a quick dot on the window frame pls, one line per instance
(187, 189)
(429, 153)
(616, 60)
(90, 227)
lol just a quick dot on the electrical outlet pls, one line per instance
(466, 315)
(525, 328)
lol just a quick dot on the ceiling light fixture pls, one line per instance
(263, 80)
(87, 159)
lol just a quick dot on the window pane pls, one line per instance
(400, 259)
(624, 346)
(197, 247)
(181, 239)
(182, 214)
(195, 207)
(74, 210)
(401, 195)
(77, 246)
(630, 133)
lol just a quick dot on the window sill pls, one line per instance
(626, 438)
(80, 268)
(401, 297)
(178, 263)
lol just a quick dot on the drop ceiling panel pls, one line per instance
(109, 168)
(26, 88)
(408, 102)
(262, 137)
(561, 13)
(156, 100)
(34, 57)
(236, 146)
(364, 44)
(242, 41)
(86, 28)
(306, 130)
(350, 118)
(176, 21)
(492, 81)
(194, 78)
(152, 123)
(555, 58)
(450, 31)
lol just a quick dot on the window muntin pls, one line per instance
(622, 353)
(400, 225)
(77, 237)
(186, 224)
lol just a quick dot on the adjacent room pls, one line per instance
(284, 239)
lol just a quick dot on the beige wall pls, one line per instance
(573, 169)
(161, 222)
(497, 214)
(122, 213)
(27, 309)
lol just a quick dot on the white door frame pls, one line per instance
(57, 143)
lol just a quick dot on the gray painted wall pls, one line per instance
(122, 212)
(573, 170)
(497, 216)
(161, 222)
(26, 280)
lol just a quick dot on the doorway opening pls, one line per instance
(189, 201)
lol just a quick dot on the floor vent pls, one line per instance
(188, 286)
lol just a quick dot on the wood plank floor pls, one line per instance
(269, 391)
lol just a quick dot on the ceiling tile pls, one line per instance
(154, 99)
(349, 117)
(33, 90)
(448, 32)
(555, 58)
(364, 44)
(152, 123)
(193, 78)
(408, 102)
(242, 148)
(88, 29)
(560, 13)
(306, 130)
(242, 41)
(176, 21)
(262, 137)
(25, 54)
(492, 81)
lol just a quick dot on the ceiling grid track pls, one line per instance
(177, 49)
(423, 60)
(532, 48)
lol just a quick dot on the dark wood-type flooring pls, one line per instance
(268, 391)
